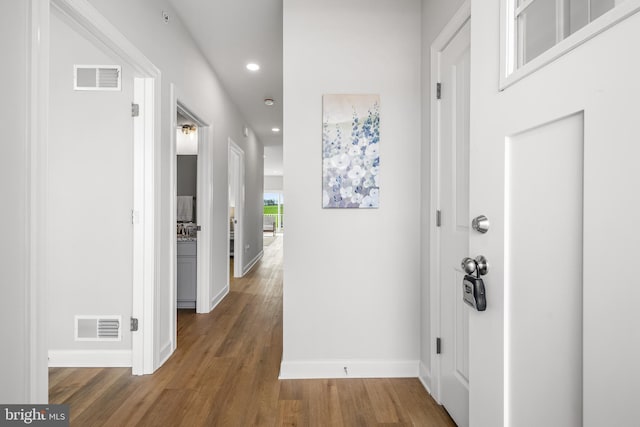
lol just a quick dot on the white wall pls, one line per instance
(187, 175)
(435, 15)
(171, 49)
(273, 183)
(90, 194)
(352, 277)
(14, 308)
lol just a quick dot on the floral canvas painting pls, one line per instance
(350, 151)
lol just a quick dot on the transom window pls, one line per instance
(536, 32)
(541, 24)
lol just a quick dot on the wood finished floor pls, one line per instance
(225, 373)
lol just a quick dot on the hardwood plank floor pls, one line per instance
(225, 373)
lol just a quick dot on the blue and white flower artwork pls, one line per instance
(350, 151)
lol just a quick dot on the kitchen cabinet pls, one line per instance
(187, 274)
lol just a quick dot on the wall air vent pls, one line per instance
(96, 77)
(98, 328)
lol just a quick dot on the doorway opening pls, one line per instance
(236, 210)
(186, 212)
(104, 194)
(273, 216)
(191, 215)
(450, 64)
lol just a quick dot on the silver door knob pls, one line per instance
(469, 265)
(479, 265)
(480, 224)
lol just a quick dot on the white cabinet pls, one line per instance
(187, 274)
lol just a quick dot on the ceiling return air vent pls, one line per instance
(98, 328)
(96, 77)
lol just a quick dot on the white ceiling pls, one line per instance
(232, 33)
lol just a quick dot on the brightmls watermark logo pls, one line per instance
(34, 415)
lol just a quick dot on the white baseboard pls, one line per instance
(219, 297)
(186, 304)
(253, 262)
(355, 369)
(425, 377)
(90, 358)
(165, 353)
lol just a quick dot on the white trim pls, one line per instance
(355, 369)
(509, 75)
(143, 229)
(90, 358)
(218, 298)
(253, 262)
(165, 352)
(35, 310)
(204, 213)
(424, 375)
(172, 233)
(439, 44)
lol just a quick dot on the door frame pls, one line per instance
(238, 257)
(204, 209)
(437, 47)
(146, 132)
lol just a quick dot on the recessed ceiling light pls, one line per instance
(253, 66)
(269, 102)
(275, 129)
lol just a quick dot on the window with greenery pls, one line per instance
(274, 206)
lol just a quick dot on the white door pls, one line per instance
(236, 201)
(454, 230)
(553, 157)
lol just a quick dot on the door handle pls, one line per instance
(479, 265)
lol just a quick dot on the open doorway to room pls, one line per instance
(186, 215)
(192, 209)
(236, 210)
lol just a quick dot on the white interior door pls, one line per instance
(549, 157)
(454, 229)
(236, 200)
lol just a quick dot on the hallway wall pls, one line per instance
(351, 277)
(14, 181)
(89, 233)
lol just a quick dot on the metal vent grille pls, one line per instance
(108, 328)
(98, 328)
(96, 77)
